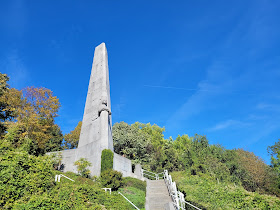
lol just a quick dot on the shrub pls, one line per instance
(111, 179)
(136, 183)
(82, 165)
(73, 195)
(206, 193)
(107, 157)
(23, 175)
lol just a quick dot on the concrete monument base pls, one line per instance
(93, 155)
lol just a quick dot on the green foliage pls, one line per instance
(136, 183)
(145, 144)
(22, 175)
(27, 182)
(135, 191)
(135, 141)
(82, 165)
(111, 179)
(107, 158)
(274, 151)
(5, 112)
(55, 141)
(136, 196)
(205, 192)
(81, 194)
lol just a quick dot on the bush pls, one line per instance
(136, 183)
(73, 195)
(82, 165)
(206, 193)
(111, 179)
(23, 175)
(107, 157)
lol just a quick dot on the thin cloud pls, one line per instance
(268, 107)
(228, 124)
(168, 87)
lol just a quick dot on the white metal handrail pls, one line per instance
(192, 205)
(108, 189)
(129, 201)
(177, 197)
(151, 174)
(57, 178)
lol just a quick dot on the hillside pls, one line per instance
(27, 182)
(206, 193)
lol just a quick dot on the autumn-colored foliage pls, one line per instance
(34, 112)
(254, 169)
(72, 138)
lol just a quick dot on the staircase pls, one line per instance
(157, 196)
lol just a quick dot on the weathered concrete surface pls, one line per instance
(157, 195)
(97, 126)
(169, 206)
(122, 164)
(96, 131)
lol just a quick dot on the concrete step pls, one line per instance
(157, 190)
(156, 195)
(154, 182)
(159, 197)
(161, 186)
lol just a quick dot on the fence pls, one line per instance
(151, 175)
(177, 197)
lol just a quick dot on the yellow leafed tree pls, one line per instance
(36, 109)
(72, 138)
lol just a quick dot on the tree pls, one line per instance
(82, 165)
(72, 138)
(55, 142)
(36, 109)
(274, 151)
(6, 111)
(132, 142)
(254, 170)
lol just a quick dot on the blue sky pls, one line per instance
(206, 67)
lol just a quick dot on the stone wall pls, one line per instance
(122, 165)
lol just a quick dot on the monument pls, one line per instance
(96, 131)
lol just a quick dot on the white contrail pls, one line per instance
(176, 88)
(199, 90)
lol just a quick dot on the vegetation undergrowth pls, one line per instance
(27, 182)
(207, 193)
(135, 191)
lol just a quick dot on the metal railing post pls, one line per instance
(57, 178)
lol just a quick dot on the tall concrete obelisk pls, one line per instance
(96, 131)
(97, 126)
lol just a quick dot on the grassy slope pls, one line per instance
(81, 194)
(135, 191)
(206, 193)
